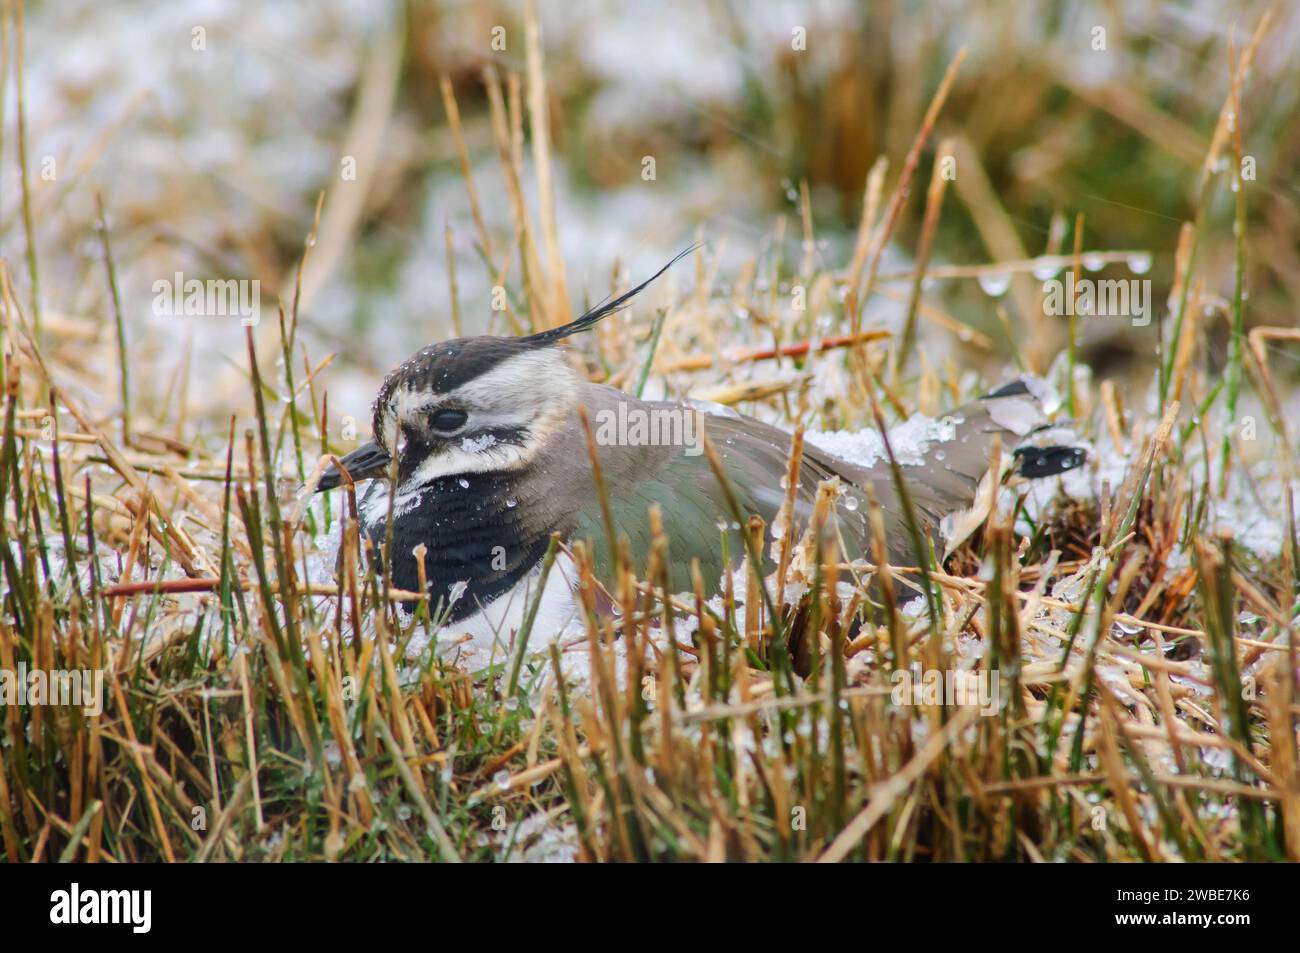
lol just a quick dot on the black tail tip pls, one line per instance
(1035, 462)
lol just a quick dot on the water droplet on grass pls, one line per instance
(995, 283)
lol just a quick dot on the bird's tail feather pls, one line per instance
(1019, 414)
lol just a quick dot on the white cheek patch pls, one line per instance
(455, 459)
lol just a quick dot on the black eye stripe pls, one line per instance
(448, 420)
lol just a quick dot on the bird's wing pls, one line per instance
(676, 476)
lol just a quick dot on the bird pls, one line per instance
(482, 444)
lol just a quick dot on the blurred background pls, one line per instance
(211, 126)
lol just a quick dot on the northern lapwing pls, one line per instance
(492, 458)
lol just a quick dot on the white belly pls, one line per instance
(490, 632)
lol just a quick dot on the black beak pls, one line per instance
(367, 461)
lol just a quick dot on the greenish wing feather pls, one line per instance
(691, 507)
(694, 508)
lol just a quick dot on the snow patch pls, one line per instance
(910, 440)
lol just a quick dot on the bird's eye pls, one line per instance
(448, 420)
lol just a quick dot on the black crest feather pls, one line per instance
(592, 317)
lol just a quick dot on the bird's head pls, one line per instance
(473, 405)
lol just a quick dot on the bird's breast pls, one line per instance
(479, 534)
